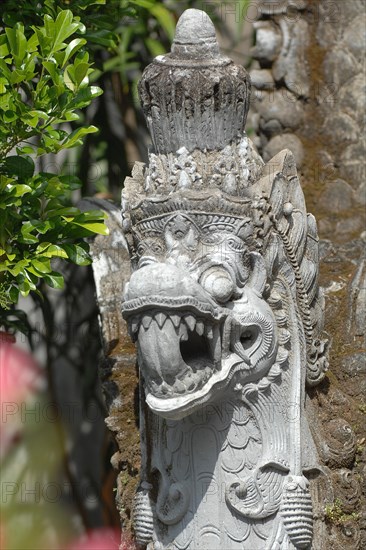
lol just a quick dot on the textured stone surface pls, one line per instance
(337, 196)
(332, 134)
(285, 141)
(224, 306)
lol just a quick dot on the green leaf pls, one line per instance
(62, 28)
(67, 211)
(77, 254)
(32, 43)
(161, 13)
(26, 150)
(4, 49)
(155, 47)
(81, 70)
(49, 250)
(94, 227)
(24, 286)
(72, 48)
(18, 267)
(14, 294)
(75, 136)
(20, 167)
(103, 37)
(26, 233)
(84, 97)
(42, 264)
(9, 116)
(17, 42)
(54, 279)
(51, 67)
(22, 189)
(165, 18)
(69, 78)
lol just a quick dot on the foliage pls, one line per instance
(44, 81)
(334, 513)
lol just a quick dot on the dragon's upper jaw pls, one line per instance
(189, 347)
(181, 355)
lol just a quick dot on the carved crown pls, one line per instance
(194, 97)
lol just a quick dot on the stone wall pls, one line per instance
(310, 97)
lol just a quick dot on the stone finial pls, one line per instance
(194, 97)
(195, 36)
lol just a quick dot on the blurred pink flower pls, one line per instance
(103, 539)
(20, 375)
(20, 379)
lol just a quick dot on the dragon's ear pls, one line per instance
(290, 250)
(258, 276)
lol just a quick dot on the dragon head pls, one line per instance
(194, 305)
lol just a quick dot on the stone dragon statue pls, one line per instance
(224, 305)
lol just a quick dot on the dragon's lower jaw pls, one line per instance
(180, 406)
(180, 356)
(179, 353)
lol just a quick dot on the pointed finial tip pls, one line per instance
(195, 35)
(193, 27)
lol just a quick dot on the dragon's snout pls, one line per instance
(189, 346)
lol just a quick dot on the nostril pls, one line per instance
(249, 337)
(219, 283)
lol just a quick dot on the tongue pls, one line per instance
(159, 349)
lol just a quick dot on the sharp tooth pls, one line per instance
(215, 348)
(179, 387)
(135, 322)
(175, 320)
(190, 321)
(153, 386)
(146, 321)
(163, 388)
(160, 318)
(200, 328)
(209, 332)
(183, 332)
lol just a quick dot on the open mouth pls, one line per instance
(180, 349)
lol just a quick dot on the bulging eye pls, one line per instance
(219, 283)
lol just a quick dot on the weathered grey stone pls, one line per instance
(353, 166)
(332, 133)
(337, 196)
(290, 65)
(355, 365)
(280, 106)
(225, 308)
(354, 38)
(268, 41)
(352, 96)
(339, 67)
(269, 129)
(174, 84)
(275, 7)
(340, 126)
(348, 228)
(285, 141)
(262, 79)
